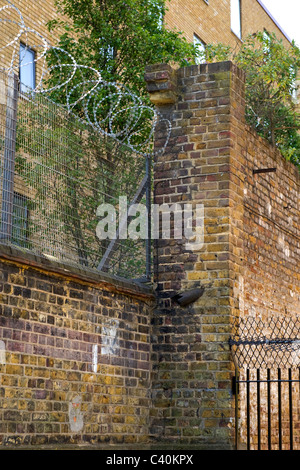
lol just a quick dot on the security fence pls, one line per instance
(56, 171)
(266, 384)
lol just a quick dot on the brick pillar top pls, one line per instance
(161, 83)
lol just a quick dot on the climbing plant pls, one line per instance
(271, 71)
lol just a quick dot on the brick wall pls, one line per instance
(85, 358)
(192, 362)
(36, 16)
(269, 288)
(74, 362)
(75, 346)
(210, 21)
(248, 264)
(255, 18)
(271, 224)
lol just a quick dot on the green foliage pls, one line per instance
(271, 72)
(69, 169)
(120, 37)
(215, 53)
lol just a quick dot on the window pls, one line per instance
(295, 85)
(267, 39)
(27, 68)
(20, 220)
(236, 23)
(201, 48)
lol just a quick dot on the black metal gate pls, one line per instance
(267, 383)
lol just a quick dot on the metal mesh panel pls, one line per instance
(55, 172)
(267, 343)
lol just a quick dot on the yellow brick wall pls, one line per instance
(36, 14)
(254, 18)
(247, 267)
(211, 21)
(75, 358)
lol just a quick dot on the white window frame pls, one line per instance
(24, 62)
(201, 45)
(236, 17)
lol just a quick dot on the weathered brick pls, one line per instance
(49, 358)
(224, 266)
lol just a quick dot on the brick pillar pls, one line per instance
(202, 164)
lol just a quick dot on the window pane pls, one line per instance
(201, 48)
(236, 17)
(27, 68)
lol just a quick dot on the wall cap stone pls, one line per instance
(80, 274)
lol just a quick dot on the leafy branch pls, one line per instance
(271, 71)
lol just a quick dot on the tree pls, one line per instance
(117, 38)
(271, 75)
(120, 37)
(74, 167)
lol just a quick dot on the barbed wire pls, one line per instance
(119, 100)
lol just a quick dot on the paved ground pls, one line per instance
(112, 448)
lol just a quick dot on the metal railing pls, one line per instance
(271, 408)
(267, 382)
(55, 172)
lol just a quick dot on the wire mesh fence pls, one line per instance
(266, 343)
(56, 171)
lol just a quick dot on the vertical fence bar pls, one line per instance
(279, 411)
(248, 408)
(269, 410)
(291, 409)
(258, 409)
(236, 392)
(148, 204)
(8, 169)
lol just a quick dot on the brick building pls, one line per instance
(200, 21)
(228, 22)
(92, 360)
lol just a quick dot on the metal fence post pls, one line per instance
(8, 164)
(148, 204)
(236, 393)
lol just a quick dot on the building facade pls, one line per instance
(226, 21)
(200, 21)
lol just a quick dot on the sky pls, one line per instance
(287, 14)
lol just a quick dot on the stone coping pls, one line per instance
(75, 273)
